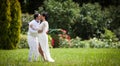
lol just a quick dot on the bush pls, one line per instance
(118, 45)
(108, 35)
(55, 36)
(58, 37)
(50, 41)
(26, 18)
(110, 38)
(23, 42)
(64, 43)
(75, 43)
(96, 43)
(92, 43)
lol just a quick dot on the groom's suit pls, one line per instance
(33, 40)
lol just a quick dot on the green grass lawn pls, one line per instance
(64, 57)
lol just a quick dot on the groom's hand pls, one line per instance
(32, 26)
(39, 31)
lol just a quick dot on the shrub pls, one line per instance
(55, 36)
(64, 43)
(96, 43)
(108, 35)
(110, 38)
(118, 45)
(23, 42)
(50, 41)
(77, 43)
(59, 36)
(26, 18)
(92, 43)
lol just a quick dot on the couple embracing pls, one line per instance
(38, 38)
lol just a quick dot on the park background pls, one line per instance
(81, 32)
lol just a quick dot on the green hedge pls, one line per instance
(5, 20)
(26, 18)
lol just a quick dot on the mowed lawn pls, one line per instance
(64, 57)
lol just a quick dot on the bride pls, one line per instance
(43, 38)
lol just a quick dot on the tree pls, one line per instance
(91, 22)
(10, 20)
(5, 20)
(61, 14)
(24, 4)
(33, 5)
(115, 20)
(15, 24)
(103, 3)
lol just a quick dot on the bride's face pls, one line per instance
(42, 17)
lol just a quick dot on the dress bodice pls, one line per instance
(44, 26)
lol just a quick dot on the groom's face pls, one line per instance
(39, 16)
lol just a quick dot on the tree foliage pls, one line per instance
(91, 22)
(15, 24)
(115, 20)
(85, 18)
(5, 20)
(30, 5)
(10, 21)
(103, 3)
(61, 14)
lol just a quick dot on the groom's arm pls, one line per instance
(40, 28)
(35, 30)
(31, 26)
(32, 29)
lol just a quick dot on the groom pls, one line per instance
(33, 38)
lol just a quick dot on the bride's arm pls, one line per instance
(40, 28)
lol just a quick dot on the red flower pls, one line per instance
(64, 31)
(53, 42)
(67, 37)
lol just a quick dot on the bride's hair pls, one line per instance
(45, 14)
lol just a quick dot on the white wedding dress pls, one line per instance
(43, 40)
